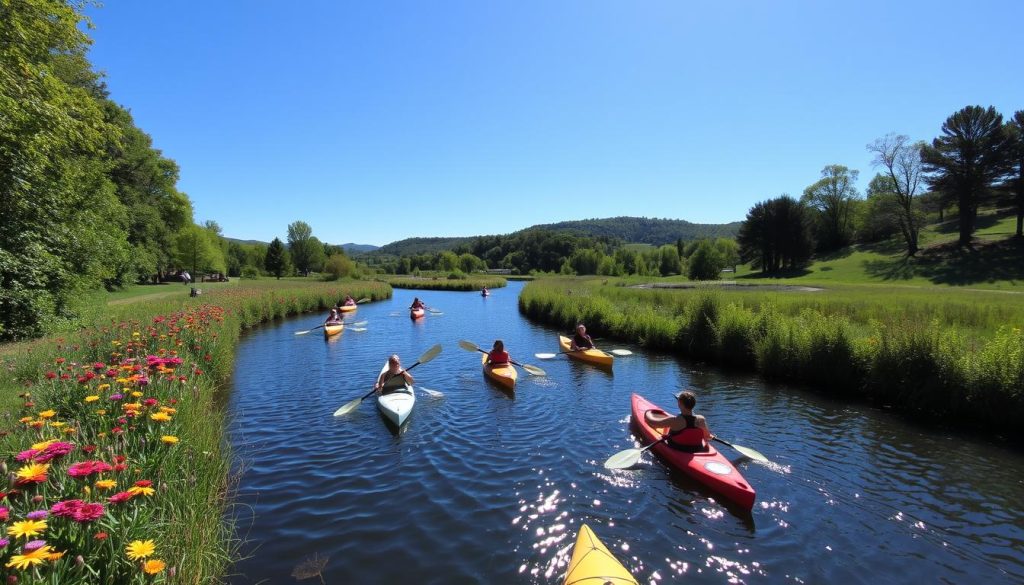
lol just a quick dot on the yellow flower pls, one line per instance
(135, 333)
(55, 555)
(160, 416)
(26, 528)
(57, 424)
(115, 343)
(29, 559)
(33, 472)
(105, 484)
(137, 394)
(103, 387)
(25, 419)
(140, 549)
(153, 566)
(48, 414)
(168, 409)
(92, 398)
(169, 439)
(101, 411)
(43, 445)
(136, 490)
(70, 430)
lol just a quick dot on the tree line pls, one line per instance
(978, 159)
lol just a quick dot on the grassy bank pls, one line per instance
(117, 451)
(942, 354)
(442, 282)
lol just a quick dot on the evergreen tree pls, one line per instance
(967, 161)
(776, 235)
(276, 261)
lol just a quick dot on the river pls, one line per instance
(482, 486)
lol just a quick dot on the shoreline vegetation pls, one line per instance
(444, 282)
(942, 355)
(114, 436)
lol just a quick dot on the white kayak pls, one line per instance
(397, 400)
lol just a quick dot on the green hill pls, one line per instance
(638, 230)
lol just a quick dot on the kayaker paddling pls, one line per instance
(686, 432)
(417, 304)
(498, 356)
(393, 377)
(580, 339)
(334, 318)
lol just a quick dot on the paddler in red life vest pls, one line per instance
(687, 432)
(334, 318)
(498, 356)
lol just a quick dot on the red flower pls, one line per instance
(144, 483)
(100, 536)
(99, 366)
(120, 498)
(51, 375)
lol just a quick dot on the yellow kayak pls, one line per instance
(504, 376)
(348, 308)
(594, 356)
(592, 564)
(332, 330)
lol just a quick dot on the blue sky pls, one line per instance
(377, 121)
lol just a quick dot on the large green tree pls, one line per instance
(306, 251)
(276, 260)
(61, 228)
(833, 197)
(901, 160)
(968, 160)
(1015, 185)
(776, 235)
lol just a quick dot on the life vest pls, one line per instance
(393, 383)
(689, 438)
(582, 342)
(498, 357)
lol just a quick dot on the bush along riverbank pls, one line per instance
(117, 465)
(461, 283)
(922, 367)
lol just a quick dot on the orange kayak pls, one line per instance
(332, 330)
(503, 375)
(416, 313)
(348, 308)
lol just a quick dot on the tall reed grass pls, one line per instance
(957, 357)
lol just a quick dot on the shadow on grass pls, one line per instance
(951, 264)
(774, 275)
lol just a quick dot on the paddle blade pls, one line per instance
(533, 370)
(362, 300)
(357, 328)
(468, 345)
(430, 354)
(624, 459)
(752, 453)
(544, 356)
(348, 407)
(432, 393)
(435, 311)
(303, 332)
(358, 324)
(621, 352)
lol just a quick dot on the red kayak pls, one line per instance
(416, 313)
(709, 468)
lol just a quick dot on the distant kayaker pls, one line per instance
(498, 355)
(349, 301)
(333, 319)
(393, 377)
(687, 432)
(417, 304)
(580, 339)
(485, 292)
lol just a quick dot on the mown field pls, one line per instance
(113, 435)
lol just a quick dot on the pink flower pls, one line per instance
(120, 498)
(5, 514)
(25, 455)
(88, 513)
(67, 508)
(87, 468)
(54, 450)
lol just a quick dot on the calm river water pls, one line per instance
(483, 487)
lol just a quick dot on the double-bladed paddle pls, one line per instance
(426, 357)
(309, 330)
(547, 356)
(630, 457)
(532, 370)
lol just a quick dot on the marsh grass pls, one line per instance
(929, 352)
(443, 282)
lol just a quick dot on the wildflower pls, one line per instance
(169, 439)
(26, 455)
(5, 514)
(140, 549)
(120, 498)
(153, 566)
(105, 484)
(141, 491)
(100, 536)
(92, 398)
(33, 545)
(26, 528)
(48, 414)
(51, 375)
(37, 515)
(160, 417)
(29, 559)
(116, 397)
(54, 450)
(4, 542)
(32, 473)
(87, 468)
(88, 512)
